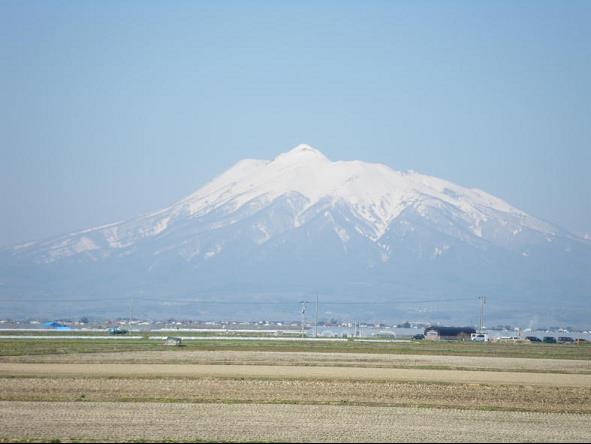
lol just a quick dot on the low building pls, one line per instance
(431, 335)
(449, 333)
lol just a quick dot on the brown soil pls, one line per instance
(220, 422)
(294, 372)
(315, 359)
(467, 396)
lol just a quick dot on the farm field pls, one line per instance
(27, 347)
(332, 359)
(219, 422)
(192, 394)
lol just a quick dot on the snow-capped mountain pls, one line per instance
(302, 223)
(310, 185)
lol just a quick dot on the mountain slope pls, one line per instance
(302, 223)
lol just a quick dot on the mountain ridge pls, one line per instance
(300, 222)
(378, 206)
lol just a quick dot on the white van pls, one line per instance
(479, 337)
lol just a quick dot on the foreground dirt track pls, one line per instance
(218, 422)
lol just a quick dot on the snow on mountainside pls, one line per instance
(374, 195)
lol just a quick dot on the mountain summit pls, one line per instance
(301, 223)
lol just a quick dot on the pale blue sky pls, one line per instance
(111, 109)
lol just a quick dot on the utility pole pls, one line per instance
(303, 312)
(482, 303)
(316, 319)
(130, 311)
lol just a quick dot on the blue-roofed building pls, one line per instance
(57, 326)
